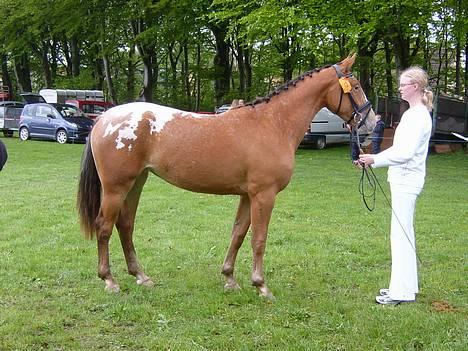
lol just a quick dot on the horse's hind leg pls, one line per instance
(125, 225)
(110, 207)
(239, 230)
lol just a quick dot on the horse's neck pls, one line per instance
(298, 105)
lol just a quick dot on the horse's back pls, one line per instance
(203, 153)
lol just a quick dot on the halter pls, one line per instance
(345, 89)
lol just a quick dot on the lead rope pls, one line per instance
(370, 181)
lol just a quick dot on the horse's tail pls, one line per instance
(88, 199)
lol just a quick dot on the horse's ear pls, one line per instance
(348, 62)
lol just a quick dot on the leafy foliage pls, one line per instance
(269, 41)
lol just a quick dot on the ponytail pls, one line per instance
(427, 98)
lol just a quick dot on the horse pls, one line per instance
(247, 151)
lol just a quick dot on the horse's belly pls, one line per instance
(202, 177)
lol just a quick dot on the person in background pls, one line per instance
(3, 155)
(406, 161)
(377, 134)
(355, 146)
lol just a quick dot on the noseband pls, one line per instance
(358, 110)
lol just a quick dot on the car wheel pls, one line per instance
(7, 133)
(320, 143)
(61, 136)
(24, 133)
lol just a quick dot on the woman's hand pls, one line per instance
(366, 159)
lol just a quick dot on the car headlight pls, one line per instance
(73, 125)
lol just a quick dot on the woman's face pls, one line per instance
(407, 88)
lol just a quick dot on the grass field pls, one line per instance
(326, 258)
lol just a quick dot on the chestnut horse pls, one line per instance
(247, 151)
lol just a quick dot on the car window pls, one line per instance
(99, 109)
(69, 111)
(43, 111)
(28, 110)
(87, 108)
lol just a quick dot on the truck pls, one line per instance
(326, 128)
(91, 102)
(10, 112)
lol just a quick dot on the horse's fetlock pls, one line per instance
(104, 274)
(257, 280)
(227, 270)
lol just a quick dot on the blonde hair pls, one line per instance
(419, 76)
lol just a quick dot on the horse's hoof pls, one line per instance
(266, 293)
(145, 282)
(232, 286)
(112, 288)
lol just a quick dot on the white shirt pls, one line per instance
(406, 158)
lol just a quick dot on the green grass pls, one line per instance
(326, 258)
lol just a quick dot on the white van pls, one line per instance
(326, 128)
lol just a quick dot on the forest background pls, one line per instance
(198, 54)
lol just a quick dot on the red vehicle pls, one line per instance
(4, 93)
(91, 108)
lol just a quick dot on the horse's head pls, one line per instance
(347, 99)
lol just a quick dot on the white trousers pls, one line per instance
(404, 276)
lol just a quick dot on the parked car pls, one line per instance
(91, 108)
(60, 122)
(10, 112)
(222, 108)
(326, 128)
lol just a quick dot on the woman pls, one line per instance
(406, 160)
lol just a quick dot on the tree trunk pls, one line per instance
(66, 54)
(44, 51)
(185, 72)
(198, 80)
(248, 72)
(110, 84)
(366, 50)
(75, 57)
(131, 74)
(6, 78)
(242, 71)
(401, 50)
(174, 60)
(147, 92)
(222, 68)
(23, 73)
(54, 58)
(458, 67)
(388, 68)
(147, 53)
(98, 73)
(466, 67)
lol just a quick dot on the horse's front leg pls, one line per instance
(261, 207)
(239, 230)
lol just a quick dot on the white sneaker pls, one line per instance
(384, 292)
(387, 300)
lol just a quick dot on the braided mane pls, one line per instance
(284, 87)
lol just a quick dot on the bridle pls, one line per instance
(359, 111)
